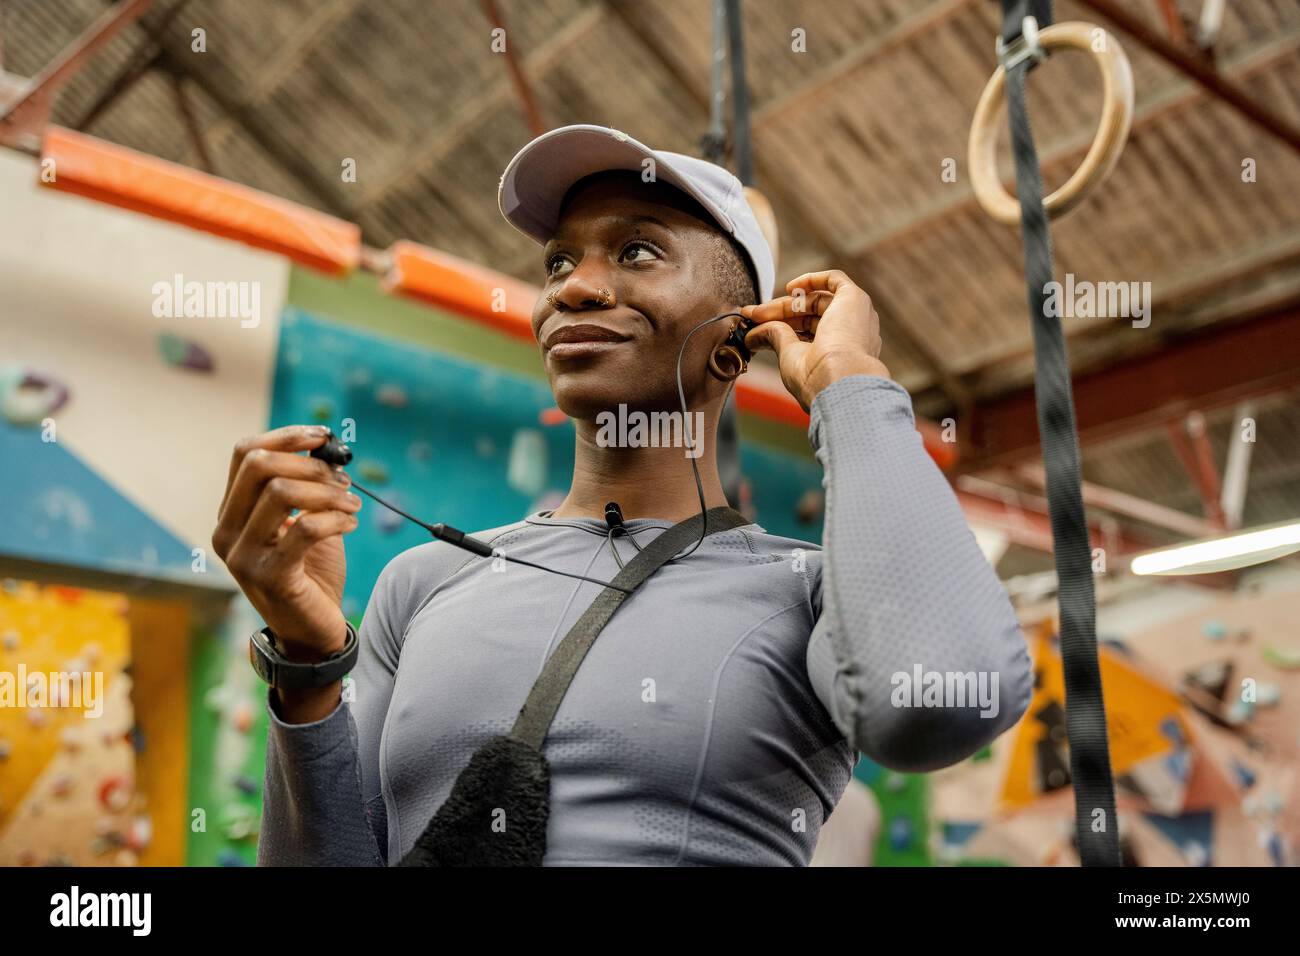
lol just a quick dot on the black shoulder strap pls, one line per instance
(534, 720)
(1096, 827)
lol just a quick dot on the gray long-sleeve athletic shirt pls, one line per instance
(717, 717)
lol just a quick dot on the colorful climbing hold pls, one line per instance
(373, 471)
(1276, 849)
(10, 640)
(230, 857)
(526, 468)
(115, 793)
(552, 416)
(392, 396)
(242, 717)
(246, 784)
(1195, 853)
(900, 833)
(1214, 630)
(1245, 776)
(1284, 658)
(28, 397)
(322, 409)
(140, 834)
(389, 522)
(1239, 712)
(180, 352)
(810, 506)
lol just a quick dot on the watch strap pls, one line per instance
(278, 671)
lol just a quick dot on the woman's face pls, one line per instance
(655, 263)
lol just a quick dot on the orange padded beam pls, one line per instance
(122, 177)
(488, 297)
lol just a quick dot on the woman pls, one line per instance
(717, 718)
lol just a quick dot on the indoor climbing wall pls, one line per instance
(228, 718)
(67, 757)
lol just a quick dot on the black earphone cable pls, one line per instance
(458, 538)
(686, 425)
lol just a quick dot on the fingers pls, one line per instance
(310, 529)
(790, 308)
(280, 496)
(291, 438)
(834, 281)
(772, 335)
(258, 468)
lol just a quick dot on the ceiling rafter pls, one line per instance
(902, 32)
(264, 134)
(443, 140)
(288, 60)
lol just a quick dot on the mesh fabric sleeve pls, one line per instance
(908, 603)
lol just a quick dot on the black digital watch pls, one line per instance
(278, 671)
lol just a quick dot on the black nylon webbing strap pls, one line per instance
(534, 720)
(1084, 711)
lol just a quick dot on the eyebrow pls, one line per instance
(641, 219)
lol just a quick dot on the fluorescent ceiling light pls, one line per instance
(1222, 554)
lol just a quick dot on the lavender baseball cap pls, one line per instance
(536, 180)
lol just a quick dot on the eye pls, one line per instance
(639, 251)
(558, 265)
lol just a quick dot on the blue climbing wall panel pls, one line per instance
(58, 509)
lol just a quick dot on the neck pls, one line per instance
(646, 482)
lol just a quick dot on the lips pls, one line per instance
(583, 333)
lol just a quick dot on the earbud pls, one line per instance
(737, 338)
(333, 452)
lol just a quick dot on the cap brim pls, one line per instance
(542, 173)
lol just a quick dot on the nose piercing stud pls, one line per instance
(605, 296)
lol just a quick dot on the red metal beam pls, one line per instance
(522, 88)
(23, 119)
(1130, 506)
(1024, 519)
(1193, 448)
(1174, 21)
(1196, 66)
(1220, 366)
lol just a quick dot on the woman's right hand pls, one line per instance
(291, 567)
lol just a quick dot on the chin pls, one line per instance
(585, 394)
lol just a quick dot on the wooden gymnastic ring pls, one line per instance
(1112, 131)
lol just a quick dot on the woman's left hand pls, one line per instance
(823, 329)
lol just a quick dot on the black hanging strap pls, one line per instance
(1094, 793)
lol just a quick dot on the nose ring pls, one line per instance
(605, 296)
(550, 300)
